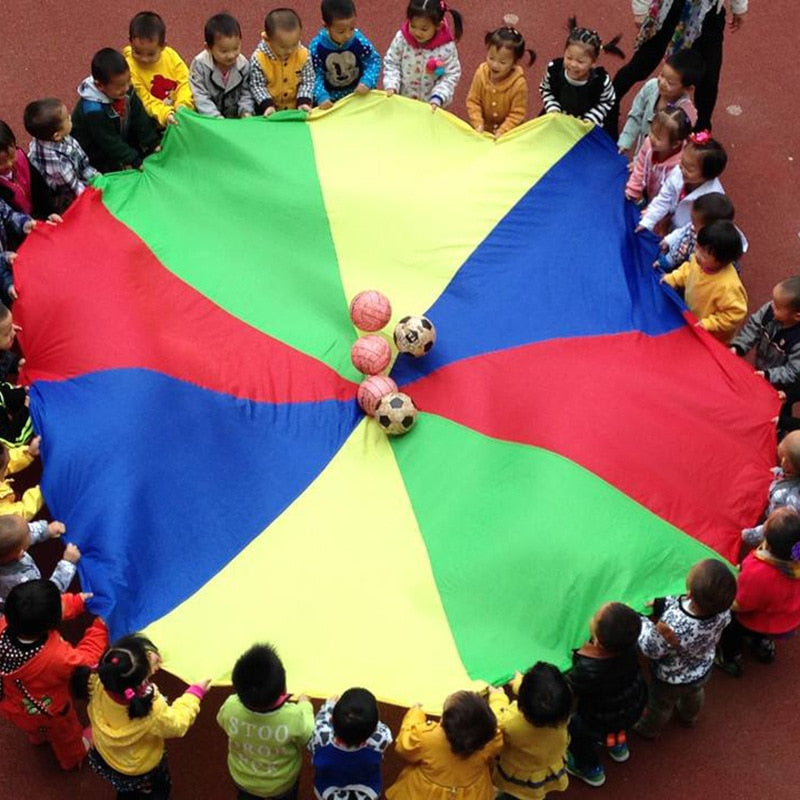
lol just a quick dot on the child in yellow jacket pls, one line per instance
(498, 97)
(131, 718)
(711, 284)
(15, 459)
(159, 75)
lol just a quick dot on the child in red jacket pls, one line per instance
(36, 665)
(768, 594)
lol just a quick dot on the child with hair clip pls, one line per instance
(450, 759)
(22, 186)
(659, 155)
(130, 718)
(784, 491)
(347, 747)
(703, 160)
(610, 691)
(422, 60)
(682, 643)
(498, 97)
(261, 711)
(574, 84)
(768, 594)
(36, 665)
(532, 761)
(679, 73)
(712, 287)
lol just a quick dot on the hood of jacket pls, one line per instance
(87, 90)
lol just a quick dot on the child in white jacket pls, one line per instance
(422, 60)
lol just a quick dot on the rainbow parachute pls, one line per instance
(188, 340)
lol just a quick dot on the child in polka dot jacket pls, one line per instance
(422, 60)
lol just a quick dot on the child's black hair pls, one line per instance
(545, 698)
(107, 64)
(468, 722)
(33, 609)
(219, 26)
(617, 628)
(713, 206)
(788, 286)
(337, 9)
(509, 37)
(149, 26)
(11, 525)
(7, 138)
(42, 118)
(675, 122)
(722, 239)
(591, 40)
(689, 65)
(259, 677)
(711, 584)
(782, 532)
(713, 158)
(124, 667)
(282, 19)
(355, 716)
(434, 10)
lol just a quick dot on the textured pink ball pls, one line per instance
(370, 354)
(372, 389)
(370, 310)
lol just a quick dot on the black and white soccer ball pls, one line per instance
(415, 335)
(396, 413)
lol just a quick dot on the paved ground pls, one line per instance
(743, 747)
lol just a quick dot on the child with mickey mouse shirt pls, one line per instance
(345, 61)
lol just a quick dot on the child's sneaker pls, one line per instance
(619, 752)
(732, 666)
(764, 650)
(594, 776)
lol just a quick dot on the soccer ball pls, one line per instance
(370, 354)
(372, 389)
(396, 413)
(370, 310)
(414, 335)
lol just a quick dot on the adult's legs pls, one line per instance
(642, 63)
(709, 46)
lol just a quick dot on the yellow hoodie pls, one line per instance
(135, 746)
(32, 501)
(162, 86)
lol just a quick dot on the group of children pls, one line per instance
(483, 746)
(484, 743)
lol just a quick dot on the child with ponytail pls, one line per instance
(131, 719)
(498, 97)
(574, 84)
(422, 60)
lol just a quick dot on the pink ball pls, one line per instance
(372, 389)
(370, 354)
(370, 310)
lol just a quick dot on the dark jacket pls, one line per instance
(611, 692)
(777, 348)
(112, 141)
